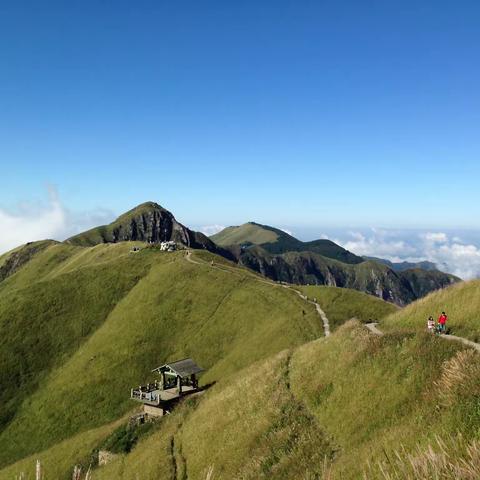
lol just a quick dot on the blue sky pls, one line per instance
(312, 114)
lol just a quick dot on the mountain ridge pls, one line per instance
(277, 241)
(266, 250)
(81, 325)
(281, 257)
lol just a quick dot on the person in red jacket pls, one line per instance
(442, 321)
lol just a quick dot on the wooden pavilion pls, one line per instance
(177, 379)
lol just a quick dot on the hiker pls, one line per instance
(442, 320)
(431, 324)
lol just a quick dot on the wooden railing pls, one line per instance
(145, 395)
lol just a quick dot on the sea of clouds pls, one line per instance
(454, 252)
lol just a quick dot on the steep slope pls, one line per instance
(352, 406)
(48, 308)
(80, 326)
(338, 407)
(401, 266)
(277, 241)
(308, 268)
(282, 257)
(148, 222)
(423, 282)
(12, 261)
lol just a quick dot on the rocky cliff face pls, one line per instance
(374, 278)
(148, 222)
(17, 258)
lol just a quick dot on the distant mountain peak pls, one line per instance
(277, 241)
(147, 222)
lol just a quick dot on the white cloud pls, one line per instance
(377, 244)
(45, 220)
(449, 253)
(435, 237)
(461, 260)
(289, 232)
(211, 229)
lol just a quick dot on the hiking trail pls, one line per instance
(320, 312)
(373, 328)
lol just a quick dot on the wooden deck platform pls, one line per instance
(157, 397)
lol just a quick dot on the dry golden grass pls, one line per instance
(460, 378)
(451, 459)
(260, 431)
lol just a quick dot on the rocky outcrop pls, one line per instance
(307, 268)
(17, 258)
(151, 223)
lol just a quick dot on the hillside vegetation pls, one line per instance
(247, 233)
(80, 326)
(336, 408)
(461, 302)
(271, 252)
(281, 257)
(82, 322)
(276, 241)
(342, 304)
(308, 268)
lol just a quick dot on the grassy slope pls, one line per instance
(461, 302)
(342, 304)
(48, 309)
(278, 418)
(375, 395)
(175, 309)
(344, 404)
(277, 241)
(262, 432)
(13, 260)
(58, 461)
(246, 233)
(365, 398)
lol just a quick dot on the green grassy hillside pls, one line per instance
(277, 241)
(80, 326)
(461, 302)
(12, 261)
(379, 396)
(247, 233)
(49, 308)
(340, 408)
(342, 304)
